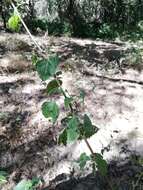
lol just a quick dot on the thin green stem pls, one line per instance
(71, 109)
(64, 94)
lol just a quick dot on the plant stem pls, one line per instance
(89, 147)
(63, 92)
(26, 28)
(71, 108)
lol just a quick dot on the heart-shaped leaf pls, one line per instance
(50, 110)
(72, 130)
(88, 128)
(53, 86)
(47, 67)
(101, 164)
(83, 160)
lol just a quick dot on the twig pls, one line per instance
(26, 28)
(120, 79)
(91, 74)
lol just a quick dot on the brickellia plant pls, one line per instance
(76, 127)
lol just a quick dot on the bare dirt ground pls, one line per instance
(114, 101)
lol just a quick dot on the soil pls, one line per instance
(114, 91)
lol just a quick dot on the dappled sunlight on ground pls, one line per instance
(113, 101)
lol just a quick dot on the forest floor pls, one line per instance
(114, 101)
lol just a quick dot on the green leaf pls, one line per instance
(83, 160)
(24, 185)
(63, 138)
(72, 130)
(14, 22)
(50, 110)
(35, 181)
(82, 95)
(73, 123)
(3, 173)
(72, 135)
(47, 67)
(88, 128)
(68, 101)
(3, 177)
(101, 164)
(34, 59)
(53, 86)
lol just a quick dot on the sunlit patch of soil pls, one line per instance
(29, 142)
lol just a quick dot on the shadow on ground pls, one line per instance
(125, 176)
(104, 100)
